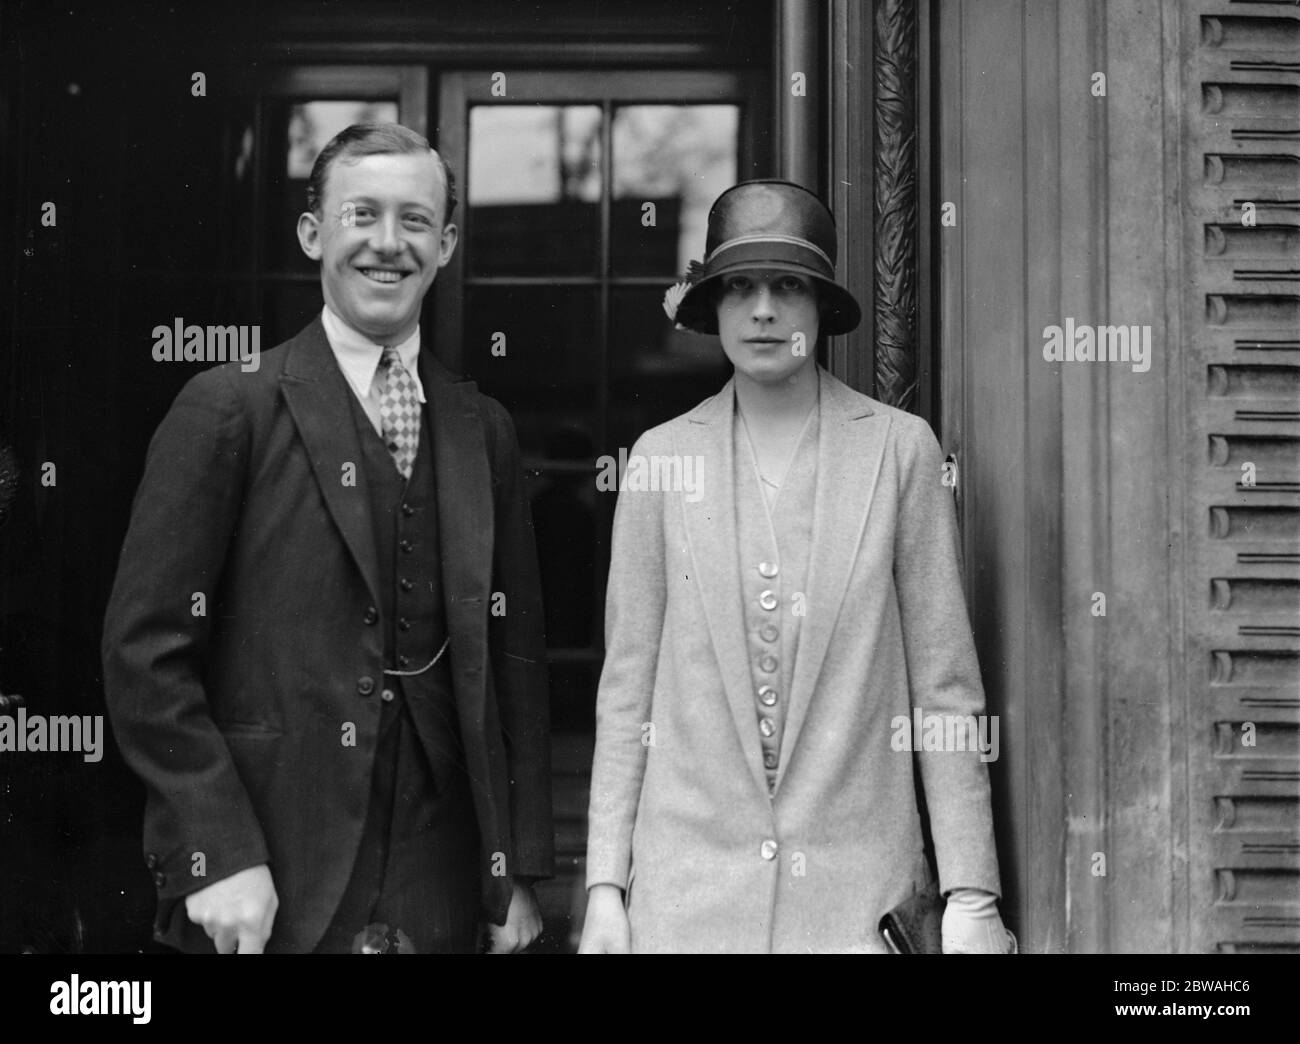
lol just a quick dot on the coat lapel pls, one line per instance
(849, 453)
(711, 532)
(317, 395)
(465, 511)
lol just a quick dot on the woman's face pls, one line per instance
(768, 323)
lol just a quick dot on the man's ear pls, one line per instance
(309, 233)
(446, 245)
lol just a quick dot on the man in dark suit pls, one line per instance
(324, 648)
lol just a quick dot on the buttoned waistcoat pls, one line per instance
(253, 496)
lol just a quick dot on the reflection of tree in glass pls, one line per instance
(312, 124)
(687, 152)
(302, 133)
(661, 149)
(579, 151)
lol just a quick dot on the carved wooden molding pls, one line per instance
(894, 206)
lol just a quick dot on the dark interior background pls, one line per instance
(158, 196)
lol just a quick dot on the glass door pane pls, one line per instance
(587, 194)
(534, 186)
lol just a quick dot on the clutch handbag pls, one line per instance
(915, 924)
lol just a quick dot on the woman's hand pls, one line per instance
(606, 929)
(971, 924)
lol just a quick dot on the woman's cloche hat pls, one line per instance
(769, 224)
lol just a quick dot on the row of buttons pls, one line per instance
(366, 684)
(371, 615)
(767, 695)
(403, 624)
(159, 878)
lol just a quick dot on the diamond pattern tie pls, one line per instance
(399, 411)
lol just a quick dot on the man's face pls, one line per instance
(380, 240)
(768, 323)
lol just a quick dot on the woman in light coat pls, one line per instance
(785, 623)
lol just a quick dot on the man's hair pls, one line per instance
(373, 139)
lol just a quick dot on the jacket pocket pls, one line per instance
(247, 729)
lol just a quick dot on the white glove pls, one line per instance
(971, 924)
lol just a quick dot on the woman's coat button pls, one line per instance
(767, 569)
(767, 850)
(767, 600)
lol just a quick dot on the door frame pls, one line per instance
(460, 90)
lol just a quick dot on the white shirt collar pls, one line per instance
(358, 356)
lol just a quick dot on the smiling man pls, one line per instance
(343, 749)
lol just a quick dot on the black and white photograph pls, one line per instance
(629, 477)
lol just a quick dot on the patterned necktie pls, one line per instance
(399, 411)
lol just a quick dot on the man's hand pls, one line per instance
(606, 928)
(523, 923)
(237, 912)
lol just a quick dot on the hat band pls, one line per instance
(769, 237)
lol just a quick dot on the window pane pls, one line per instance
(656, 371)
(302, 129)
(312, 124)
(547, 376)
(534, 190)
(646, 344)
(679, 158)
(564, 524)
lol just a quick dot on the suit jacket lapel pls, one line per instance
(465, 509)
(711, 532)
(317, 395)
(849, 451)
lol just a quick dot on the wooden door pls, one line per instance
(584, 196)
